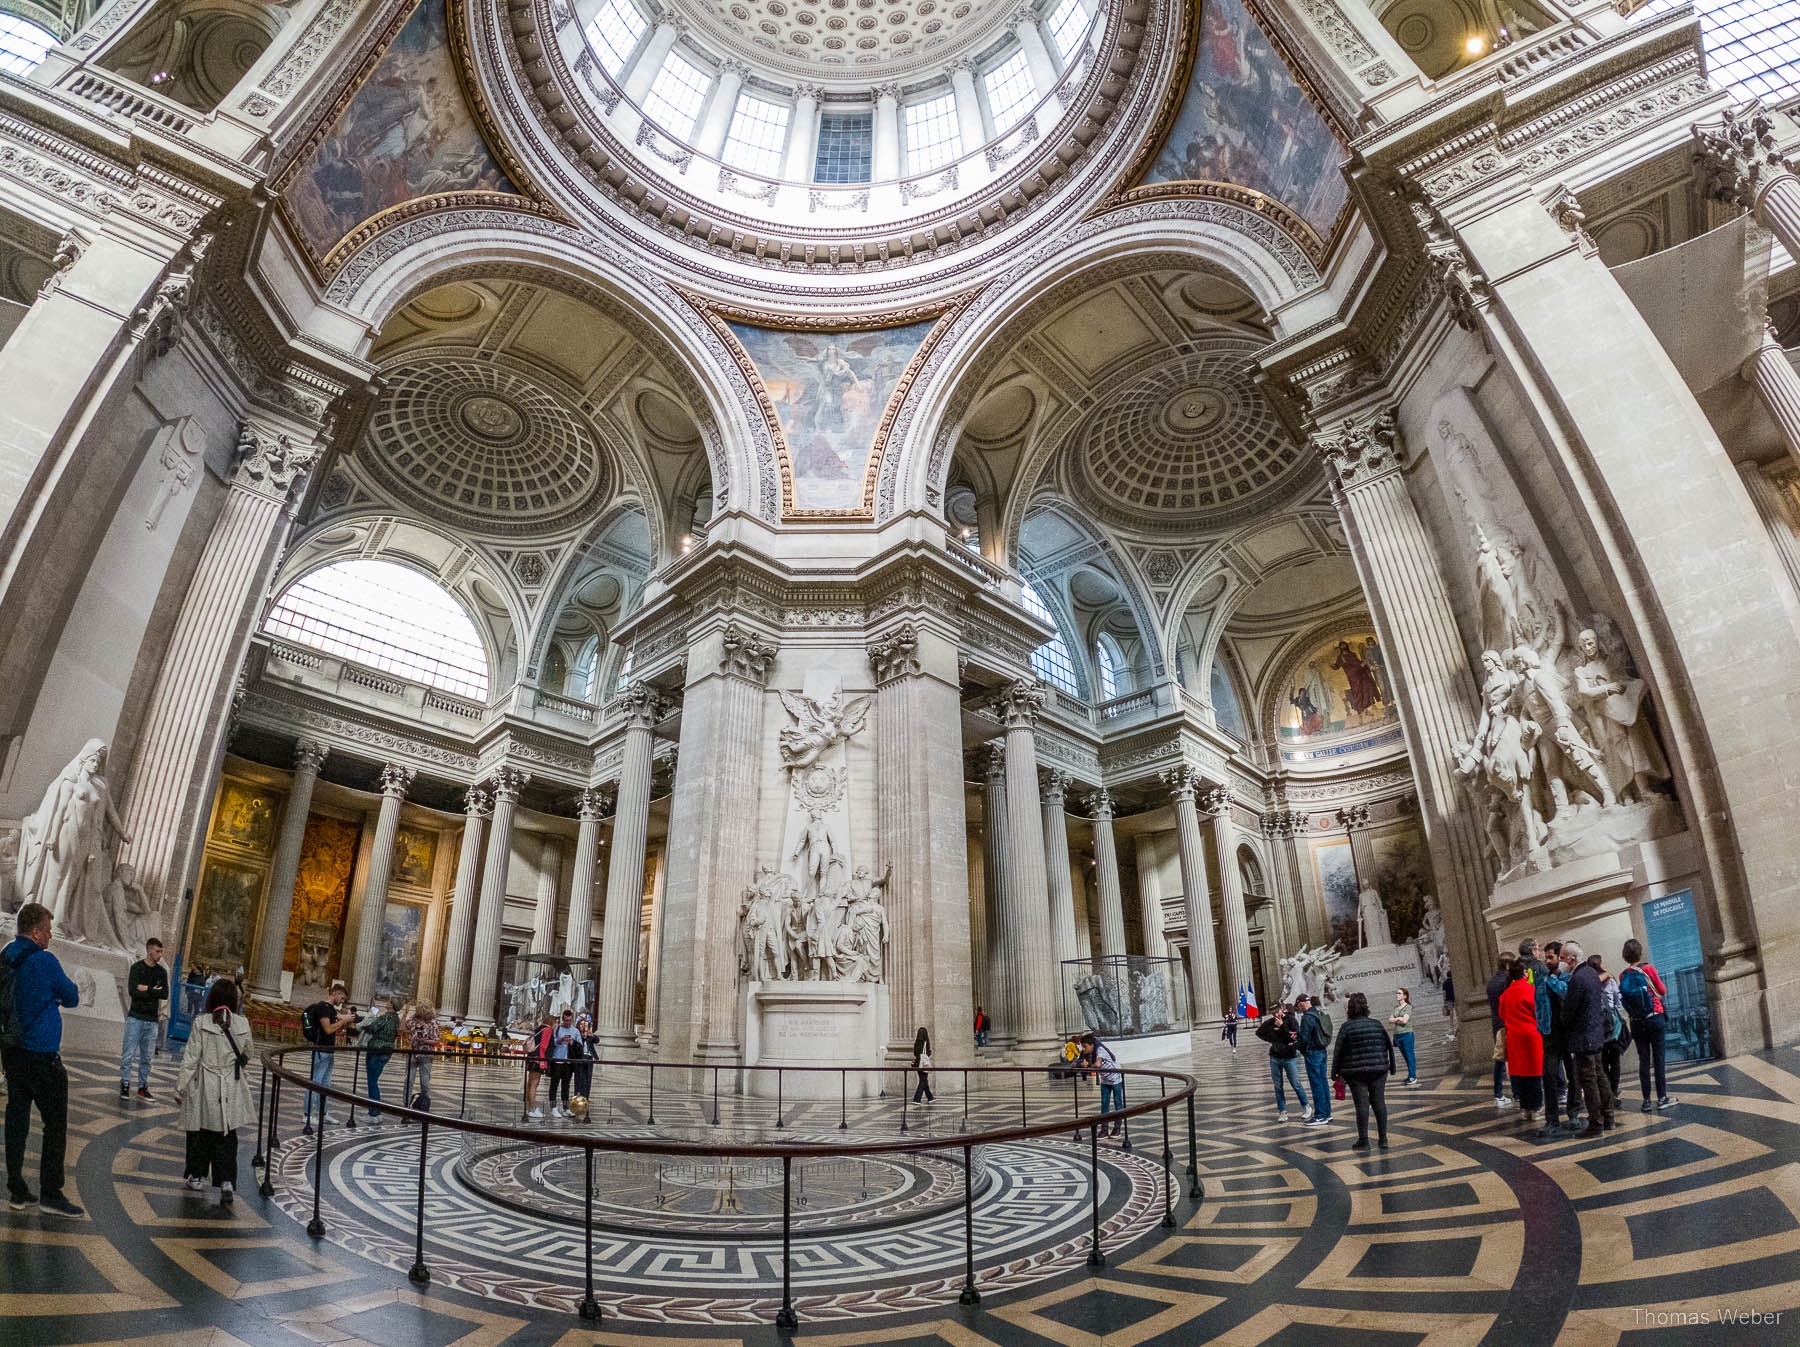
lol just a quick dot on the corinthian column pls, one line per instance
(395, 782)
(1280, 830)
(1231, 893)
(1777, 386)
(1028, 920)
(453, 987)
(1738, 163)
(616, 996)
(176, 763)
(1106, 872)
(484, 967)
(1053, 789)
(284, 869)
(1398, 566)
(997, 879)
(543, 924)
(592, 807)
(1203, 960)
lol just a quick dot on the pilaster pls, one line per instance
(453, 987)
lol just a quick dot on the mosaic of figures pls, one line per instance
(1342, 684)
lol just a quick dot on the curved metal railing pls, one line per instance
(1173, 1090)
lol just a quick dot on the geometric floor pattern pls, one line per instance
(1681, 1227)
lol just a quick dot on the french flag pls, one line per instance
(1246, 1002)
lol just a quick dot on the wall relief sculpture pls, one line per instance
(816, 917)
(66, 859)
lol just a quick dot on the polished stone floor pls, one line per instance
(1682, 1227)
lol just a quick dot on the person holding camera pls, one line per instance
(214, 1092)
(1281, 1031)
(321, 1023)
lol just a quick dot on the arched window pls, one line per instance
(22, 45)
(624, 671)
(1051, 659)
(583, 671)
(1112, 667)
(386, 616)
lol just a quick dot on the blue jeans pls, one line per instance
(981, 1038)
(377, 1063)
(1289, 1067)
(1405, 1043)
(140, 1040)
(1499, 1080)
(1112, 1096)
(321, 1075)
(1316, 1078)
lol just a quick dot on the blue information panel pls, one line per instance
(1673, 939)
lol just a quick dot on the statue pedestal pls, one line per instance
(98, 1023)
(830, 1024)
(1375, 970)
(1591, 897)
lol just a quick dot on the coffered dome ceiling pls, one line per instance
(885, 38)
(475, 443)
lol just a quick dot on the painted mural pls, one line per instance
(830, 390)
(1402, 876)
(1340, 685)
(402, 941)
(1246, 121)
(246, 815)
(315, 941)
(1336, 872)
(406, 133)
(225, 916)
(415, 856)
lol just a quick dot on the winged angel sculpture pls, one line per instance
(817, 726)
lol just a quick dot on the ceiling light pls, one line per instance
(1475, 45)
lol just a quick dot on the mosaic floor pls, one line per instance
(1682, 1227)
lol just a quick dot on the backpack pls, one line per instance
(12, 1031)
(1321, 1030)
(1635, 992)
(310, 1028)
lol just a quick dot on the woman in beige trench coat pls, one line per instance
(214, 1090)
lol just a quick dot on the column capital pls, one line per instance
(895, 654)
(1183, 781)
(1100, 804)
(808, 93)
(746, 656)
(994, 761)
(593, 805)
(1053, 785)
(1217, 801)
(733, 66)
(641, 704)
(509, 784)
(1449, 273)
(309, 755)
(271, 464)
(1362, 449)
(397, 780)
(886, 93)
(1737, 160)
(1021, 703)
(1352, 817)
(477, 803)
(155, 326)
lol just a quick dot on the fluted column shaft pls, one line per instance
(1033, 948)
(543, 925)
(1231, 895)
(453, 987)
(1052, 791)
(616, 996)
(490, 915)
(1777, 385)
(885, 152)
(1278, 830)
(284, 869)
(1203, 959)
(1106, 873)
(580, 933)
(803, 140)
(1766, 497)
(997, 880)
(395, 782)
(1150, 896)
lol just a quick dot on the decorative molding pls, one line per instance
(1363, 449)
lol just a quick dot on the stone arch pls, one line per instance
(401, 263)
(570, 572)
(1219, 235)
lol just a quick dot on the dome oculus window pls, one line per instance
(388, 617)
(22, 45)
(676, 95)
(1051, 659)
(758, 133)
(614, 33)
(932, 139)
(1010, 92)
(1068, 26)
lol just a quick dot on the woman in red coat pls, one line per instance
(1524, 1044)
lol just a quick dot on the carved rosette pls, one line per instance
(1021, 704)
(1183, 781)
(397, 780)
(641, 705)
(309, 755)
(1100, 804)
(593, 805)
(509, 783)
(1362, 450)
(1737, 159)
(895, 655)
(746, 656)
(477, 803)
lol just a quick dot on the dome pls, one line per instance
(826, 39)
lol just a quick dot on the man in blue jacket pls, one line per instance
(34, 1069)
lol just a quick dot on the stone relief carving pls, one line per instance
(1737, 158)
(66, 851)
(1362, 450)
(178, 451)
(156, 324)
(1311, 972)
(272, 464)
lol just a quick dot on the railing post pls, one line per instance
(903, 1101)
(316, 1226)
(969, 1296)
(356, 1060)
(262, 1088)
(1193, 1155)
(715, 1121)
(419, 1273)
(651, 1120)
(784, 1319)
(965, 1121)
(267, 1186)
(1168, 1175)
(524, 1089)
(462, 1107)
(1095, 1257)
(778, 1121)
(1024, 1119)
(843, 1100)
(590, 1308)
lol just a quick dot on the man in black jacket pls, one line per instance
(147, 985)
(1584, 1022)
(1281, 1031)
(1559, 1074)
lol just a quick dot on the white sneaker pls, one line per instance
(535, 1113)
(1307, 1116)
(1317, 1122)
(196, 1183)
(331, 1118)
(1503, 1101)
(1281, 1116)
